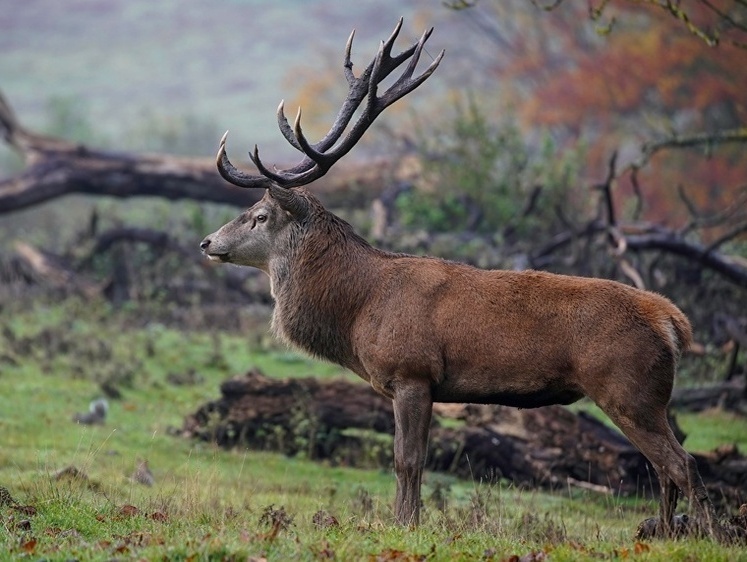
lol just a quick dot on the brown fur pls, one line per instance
(424, 329)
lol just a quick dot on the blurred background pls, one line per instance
(604, 139)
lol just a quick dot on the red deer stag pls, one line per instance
(423, 330)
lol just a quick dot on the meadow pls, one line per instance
(212, 504)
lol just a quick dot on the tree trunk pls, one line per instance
(57, 167)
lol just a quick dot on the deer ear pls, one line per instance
(290, 201)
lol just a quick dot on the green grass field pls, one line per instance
(212, 504)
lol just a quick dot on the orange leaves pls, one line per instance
(29, 546)
(648, 63)
(128, 511)
(649, 77)
(638, 548)
(394, 555)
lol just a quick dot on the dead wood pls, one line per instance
(51, 270)
(57, 167)
(729, 395)
(731, 267)
(731, 332)
(293, 415)
(70, 275)
(348, 423)
(641, 237)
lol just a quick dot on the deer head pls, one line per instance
(262, 232)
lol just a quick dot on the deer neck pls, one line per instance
(319, 287)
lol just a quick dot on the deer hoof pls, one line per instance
(654, 528)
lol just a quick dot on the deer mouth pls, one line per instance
(218, 257)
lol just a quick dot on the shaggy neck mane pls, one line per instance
(321, 283)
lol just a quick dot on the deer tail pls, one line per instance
(683, 332)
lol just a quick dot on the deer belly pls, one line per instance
(520, 384)
(528, 399)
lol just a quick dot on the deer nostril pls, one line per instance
(205, 243)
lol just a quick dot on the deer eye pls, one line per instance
(261, 218)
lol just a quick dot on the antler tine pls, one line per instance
(285, 128)
(347, 65)
(357, 91)
(407, 74)
(233, 175)
(366, 86)
(361, 87)
(373, 81)
(407, 53)
(321, 159)
(300, 138)
(279, 179)
(389, 43)
(383, 65)
(357, 88)
(389, 63)
(380, 68)
(405, 83)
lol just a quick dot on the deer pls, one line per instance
(421, 330)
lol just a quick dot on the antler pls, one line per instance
(320, 157)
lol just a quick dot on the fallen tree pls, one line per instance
(348, 423)
(66, 276)
(728, 395)
(55, 167)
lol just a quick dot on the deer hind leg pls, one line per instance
(412, 420)
(667, 504)
(648, 429)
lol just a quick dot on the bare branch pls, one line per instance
(730, 267)
(725, 19)
(735, 212)
(9, 126)
(53, 271)
(641, 239)
(638, 194)
(606, 188)
(694, 140)
(70, 168)
(707, 140)
(733, 233)
(724, 16)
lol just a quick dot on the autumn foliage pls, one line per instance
(626, 73)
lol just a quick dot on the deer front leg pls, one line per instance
(412, 420)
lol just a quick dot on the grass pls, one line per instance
(212, 504)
